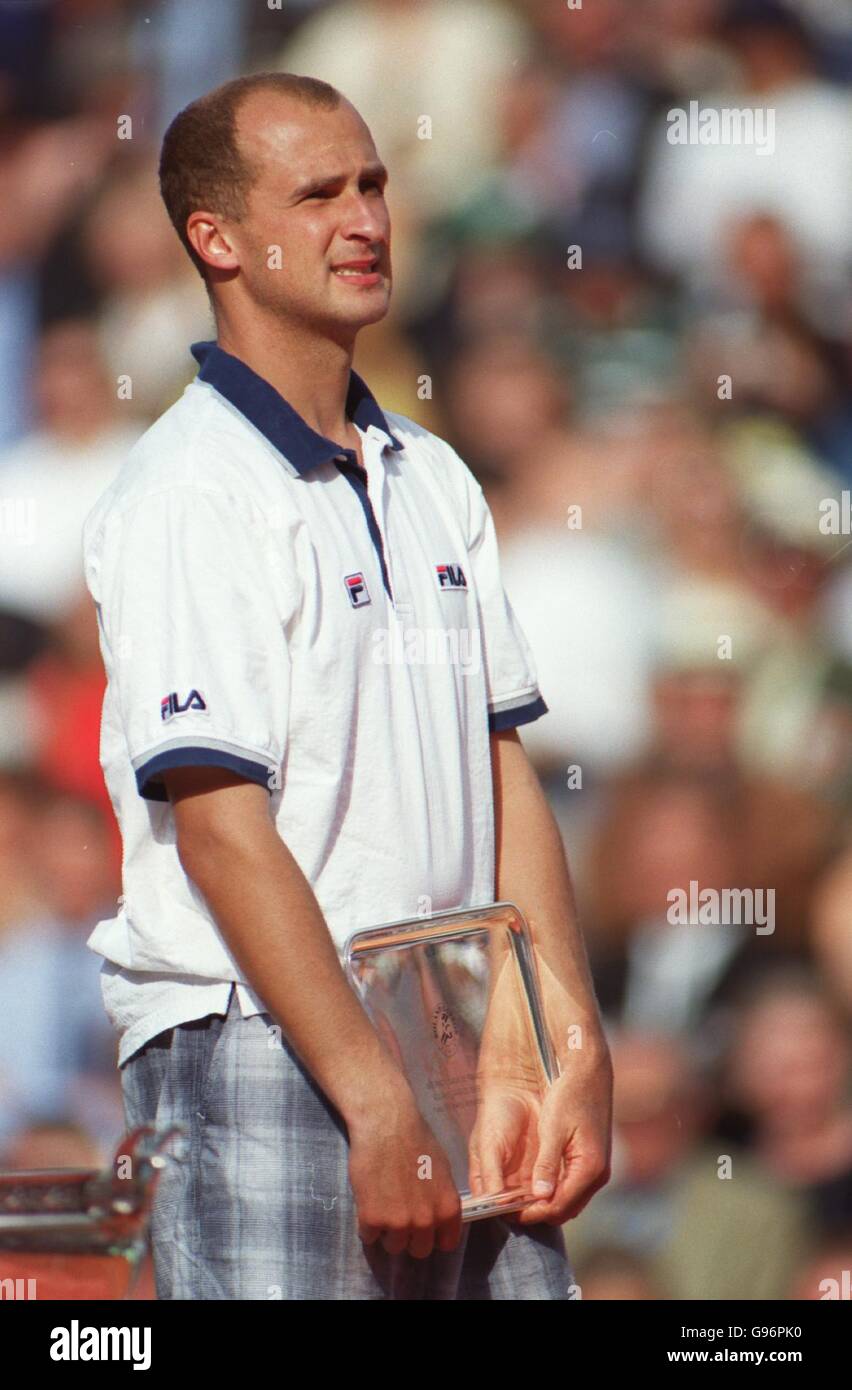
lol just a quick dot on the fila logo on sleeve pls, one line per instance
(356, 588)
(450, 577)
(170, 705)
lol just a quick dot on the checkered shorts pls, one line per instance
(256, 1202)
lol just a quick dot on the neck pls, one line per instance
(309, 370)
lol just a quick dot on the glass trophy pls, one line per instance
(455, 997)
(69, 1234)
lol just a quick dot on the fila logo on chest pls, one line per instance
(450, 577)
(356, 588)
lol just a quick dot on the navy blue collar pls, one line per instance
(276, 419)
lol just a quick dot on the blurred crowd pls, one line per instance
(644, 352)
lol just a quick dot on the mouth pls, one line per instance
(361, 272)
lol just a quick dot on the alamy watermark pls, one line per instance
(429, 646)
(84, 1343)
(723, 125)
(18, 1289)
(835, 515)
(722, 907)
(17, 519)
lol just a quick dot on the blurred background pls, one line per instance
(643, 350)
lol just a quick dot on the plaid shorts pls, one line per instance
(256, 1202)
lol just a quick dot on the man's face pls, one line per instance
(317, 204)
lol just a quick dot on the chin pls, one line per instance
(364, 314)
(377, 314)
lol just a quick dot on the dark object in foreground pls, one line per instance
(66, 1234)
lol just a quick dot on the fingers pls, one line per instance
(441, 1231)
(584, 1177)
(369, 1234)
(574, 1209)
(547, 1168)
(448, 1232)
(396, 1241)
(421, 1242)
(490, 1164)
(474, 1170)
(399, 1204)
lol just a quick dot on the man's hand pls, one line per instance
(395, 1205)
(574, 1144)
(573, 1121)
(559, 1145)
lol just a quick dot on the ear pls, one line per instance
(211, 242)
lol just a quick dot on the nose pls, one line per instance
(366, 216)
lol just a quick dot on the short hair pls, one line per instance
(201, 164)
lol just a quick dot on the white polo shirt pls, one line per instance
(342, 640)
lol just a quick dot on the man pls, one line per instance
(280, 782)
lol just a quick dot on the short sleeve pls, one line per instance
(512, 681)
(193, 638)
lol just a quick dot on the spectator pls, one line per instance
(681, 227)
(52, 478)
(789, 1073)
(57, 1050)
(705, 1225)
(448, 60)
(63, 693)
(21, 898)
(153, 302)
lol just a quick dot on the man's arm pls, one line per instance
(269, 916)
(532, 871)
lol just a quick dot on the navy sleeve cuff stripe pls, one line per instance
(153, 790)
(511, 718)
